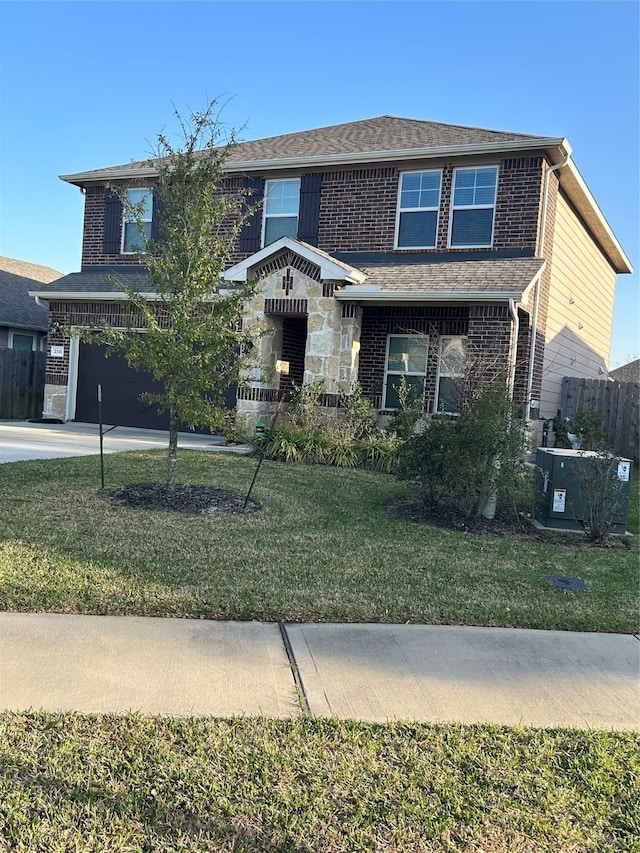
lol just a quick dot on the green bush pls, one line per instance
(348, 437)
(461, 462)
(410, 411)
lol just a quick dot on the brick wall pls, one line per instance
(489, 338)
(87, 314)
(92, 240)
(378, 322)
(358, 209)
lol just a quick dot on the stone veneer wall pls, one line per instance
(290, 292)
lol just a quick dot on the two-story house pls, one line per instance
(385, 248)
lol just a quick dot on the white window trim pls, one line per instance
(445, 374)
(416, 210)
(388, 372)
(454, 207)
(266, 215)
(26, 333)
(126, 221)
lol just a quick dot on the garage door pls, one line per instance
(121, 390)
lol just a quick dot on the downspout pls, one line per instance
(515, 331)
(489, 509)
(536, 305)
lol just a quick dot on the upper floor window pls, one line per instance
(418, 205)
(281, 206)
(142, 198)
(406, 357)
(451, 367)
(473, 207)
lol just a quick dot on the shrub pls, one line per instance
(588, 425)
(348, 438)
(410, 410)
(460, 462)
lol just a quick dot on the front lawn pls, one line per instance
(324, 548)
(139, 784)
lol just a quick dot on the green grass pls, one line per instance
(325, 548)
(136, 784)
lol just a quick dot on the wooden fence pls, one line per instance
(21, 383)
(618, 403)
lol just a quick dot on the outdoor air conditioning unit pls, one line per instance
(566, 480)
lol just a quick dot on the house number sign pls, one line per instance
(57, 352)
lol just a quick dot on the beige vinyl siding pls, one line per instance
(580, 317)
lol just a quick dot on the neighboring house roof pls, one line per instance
(627, 372)
(17, 308)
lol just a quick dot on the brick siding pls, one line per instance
(358, 210)
(84, 314)
(379, 322)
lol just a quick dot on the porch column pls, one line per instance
(322, 354)
(350, 330)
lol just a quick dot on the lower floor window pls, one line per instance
(20, 341)
(406, 357)
(453, 354)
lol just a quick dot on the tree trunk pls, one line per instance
(172, 456)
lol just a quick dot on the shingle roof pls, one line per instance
(99, 280)
(384, 133)
(17, 308)
(627, 372)
(505, 275)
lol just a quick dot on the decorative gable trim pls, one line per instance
(329, 267)
(287, 259)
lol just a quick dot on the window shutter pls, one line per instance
(112, 223)
(251, 233)
(310, 186)
(156, 222)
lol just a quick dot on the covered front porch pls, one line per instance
(324, 318)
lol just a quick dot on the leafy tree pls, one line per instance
(194, 341)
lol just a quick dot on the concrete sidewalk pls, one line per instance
(371, 672)
(22, 440)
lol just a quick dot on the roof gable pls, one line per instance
(331, 269)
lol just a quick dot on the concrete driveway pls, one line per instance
(20, 440)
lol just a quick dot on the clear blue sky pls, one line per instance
(89, 84)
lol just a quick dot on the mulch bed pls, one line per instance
(451, 519)
(201, 500)
(521, 528)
